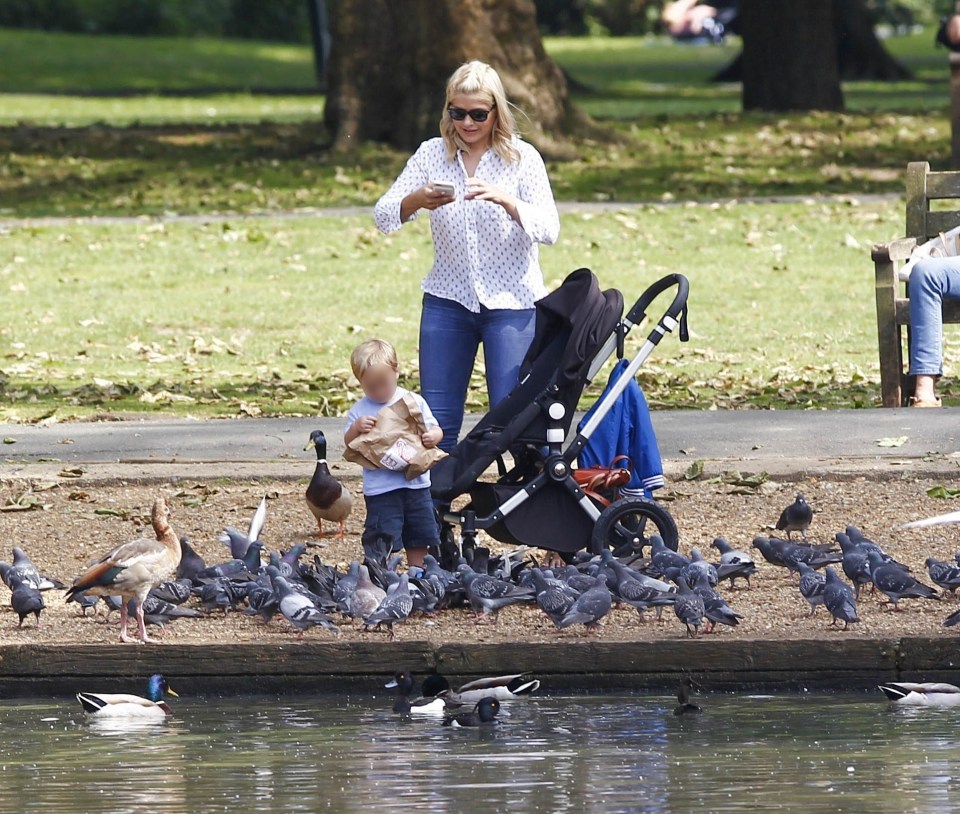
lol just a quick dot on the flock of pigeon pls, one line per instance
(153, 579)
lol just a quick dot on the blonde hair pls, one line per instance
(476, 78)
(371, 353)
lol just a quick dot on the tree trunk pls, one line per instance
(389, 63)
(790, 55)
(862, 55)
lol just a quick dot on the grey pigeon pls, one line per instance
(698, 565)
(688, 606)
(642, 595)
(300, 611)
(768, 550)
(85, 601)
(23, 571)
(488, 594)
(395, 607)
(794, 553)
(366, 596)
(856, 564)
(945, 574)
(590, 607)
(554, 598)
(715, 608)
(26, 599)
(896, 583)
(733, 564)
(812, 584)
(796, 517)
(191, 563)
(839, 599)
(663, 558)
(344, 588)
(952, 619)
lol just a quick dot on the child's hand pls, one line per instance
(364, 424)
(431, 437)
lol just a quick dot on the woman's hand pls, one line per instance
(480, 190)
(424, 198)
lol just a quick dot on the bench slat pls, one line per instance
(942, 222)
(943, 185)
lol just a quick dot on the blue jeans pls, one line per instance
(449, 338)
(401, 518)
(931, 281)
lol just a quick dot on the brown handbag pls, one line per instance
(603, 483)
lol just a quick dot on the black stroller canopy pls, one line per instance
(587, 313)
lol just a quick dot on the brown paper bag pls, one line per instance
(394, 442)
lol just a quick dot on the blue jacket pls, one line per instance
(626, 430)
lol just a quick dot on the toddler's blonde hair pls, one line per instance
(371, 353)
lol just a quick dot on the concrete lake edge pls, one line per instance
(850, 664)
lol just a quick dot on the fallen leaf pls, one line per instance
(694, 471)
(71, 473)
(943, 492)
(893, 441)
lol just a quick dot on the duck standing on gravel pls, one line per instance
(326, 497)
(132, 569)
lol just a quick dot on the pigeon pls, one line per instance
(715, 607)
(688, 606)
(326, 497)
(344, 588)
(769, 551)
(839, 599)
(85, 601)
(865, 545)
(896, 583)
(698, 565)
(812, 584)
(794, 553)
(642, 595)
(554, 598)
(300, 611)
(945, 574)
(158, 612)
(366, 596)
(590, 607)
(191, 563)
(733, 563)
(488, 594)
(174, 591)
(26, 599)
(663, 558)
(395, 607)
(952, 619)
(237, 541)
(23, 571)
(796, 517)
(483, 714)
(856, 564)
(684, 705)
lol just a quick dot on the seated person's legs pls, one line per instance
(931, 281)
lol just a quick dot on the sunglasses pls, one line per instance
(479, 115)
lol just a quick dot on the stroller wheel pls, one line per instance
(627, 524)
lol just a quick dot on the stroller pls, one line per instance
(538, 502)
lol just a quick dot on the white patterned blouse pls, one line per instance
(482, 256)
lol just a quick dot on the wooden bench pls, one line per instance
(893, 303)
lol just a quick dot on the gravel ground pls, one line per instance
(72, 523)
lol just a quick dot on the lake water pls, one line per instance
(808, 753)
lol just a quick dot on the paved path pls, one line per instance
(784, 443)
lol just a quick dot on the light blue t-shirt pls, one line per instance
(378, 481)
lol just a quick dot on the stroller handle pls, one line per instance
(677, 311)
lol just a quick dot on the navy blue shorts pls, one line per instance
(403, 518)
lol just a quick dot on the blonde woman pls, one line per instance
(490, 205)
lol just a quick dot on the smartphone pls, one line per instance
(443, 186)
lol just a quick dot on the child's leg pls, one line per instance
(420, 529)
(383, 526)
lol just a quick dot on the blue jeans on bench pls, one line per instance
(931, 281)
(449, 338)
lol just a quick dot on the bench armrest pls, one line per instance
(899, 249)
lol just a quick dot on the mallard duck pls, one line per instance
(121, 705)
(326, 497)
(403, 683)
(503, 688)
(483, 714)
(929, 694)
(132, 569)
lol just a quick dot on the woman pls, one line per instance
(931, 281)
(490, 204)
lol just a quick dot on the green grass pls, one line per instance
(260, 315)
